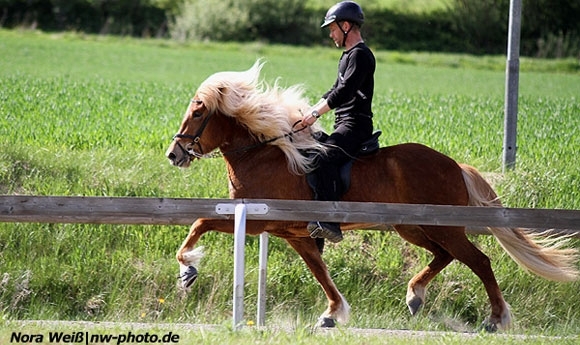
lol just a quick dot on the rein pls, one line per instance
(195, 138)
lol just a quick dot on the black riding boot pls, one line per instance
(328, 188)
(327, 230)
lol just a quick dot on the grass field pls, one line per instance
(85, 115)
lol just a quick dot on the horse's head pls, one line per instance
(203, 123)
(189, 143)
(235, 112)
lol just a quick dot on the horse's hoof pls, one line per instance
(414, 304)
(488, 327)
(188, 277)
(326, 322)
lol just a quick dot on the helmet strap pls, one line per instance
(345, 33)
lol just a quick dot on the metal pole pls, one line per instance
(239, 264)
(263, 264)
(512, 81)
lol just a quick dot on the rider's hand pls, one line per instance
(310, 118)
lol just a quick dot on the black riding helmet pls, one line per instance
(346, 11)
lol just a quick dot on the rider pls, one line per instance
(351, 98)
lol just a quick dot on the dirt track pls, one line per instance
(84, 325)
(180, 327)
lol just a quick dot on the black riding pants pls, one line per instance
(343, 144)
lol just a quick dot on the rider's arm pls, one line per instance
(315, 112)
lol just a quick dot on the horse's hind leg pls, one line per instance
(338, 308)
(454, 240)
(417, 285)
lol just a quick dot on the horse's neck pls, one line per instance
(259, 173)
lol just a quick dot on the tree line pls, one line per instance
(550, 28)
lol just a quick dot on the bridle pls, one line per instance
(197, 136)
(194, 138)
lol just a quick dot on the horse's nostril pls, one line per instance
(171, 156)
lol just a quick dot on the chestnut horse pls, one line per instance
(253, 125)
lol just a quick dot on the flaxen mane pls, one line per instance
(267, 111)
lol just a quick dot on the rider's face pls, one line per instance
(336, 33)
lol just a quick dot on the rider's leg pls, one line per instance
(342, 146)
(328, 188)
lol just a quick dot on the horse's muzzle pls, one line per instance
(179, 159)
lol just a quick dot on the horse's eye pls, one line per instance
(197, 114)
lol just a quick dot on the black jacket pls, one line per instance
(352, 92)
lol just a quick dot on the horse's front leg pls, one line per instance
(189, 257)
(338, 309)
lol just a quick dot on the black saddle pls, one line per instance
(368, 147)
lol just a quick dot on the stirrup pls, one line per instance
(328, 231)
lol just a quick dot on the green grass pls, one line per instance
(85, 115)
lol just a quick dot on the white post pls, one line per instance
(512, 82)
(239, 264)
(263, 264)
(240, 211)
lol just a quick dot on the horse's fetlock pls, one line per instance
(192, 257)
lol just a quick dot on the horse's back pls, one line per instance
(415, 155)
(408, 173)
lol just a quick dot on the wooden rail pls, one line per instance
(168, 211)
(178, 211)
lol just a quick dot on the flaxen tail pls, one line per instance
(543, 256)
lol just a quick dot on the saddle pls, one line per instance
(368, 147)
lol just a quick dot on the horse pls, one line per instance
(252, 125)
